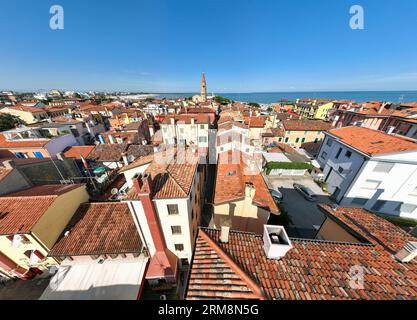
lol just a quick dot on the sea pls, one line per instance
(271, 97)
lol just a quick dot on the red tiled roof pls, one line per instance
(5, 144)
(255, 122)
(306, 125)
(78, 151)
(99, 228)
(20, 211)
(172, 174)
(184, 118)
(108, 152)
(27, 109)
(372, 142)
(314, 269)
(231, 180)
(197, 110)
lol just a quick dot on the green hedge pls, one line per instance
(288, 166)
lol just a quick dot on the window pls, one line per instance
(38, 155)
(286, 140)
(280, 140)
(179, 247)
(181, 130)
(338, 153)
(172, 209)
(340, 170)
(406, 208)
(371, 184)
(202, 139)
(359, 201)
(348, 154)
(182, 141)
(176, 229)
(297, 140)
(202, 126)
(323, 155)
(329, 142)
(247, 150)
(316, 140)
(383, 167)
(303, 140)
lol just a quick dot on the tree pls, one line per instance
(254, 104)
(7, 122)
(222, 100)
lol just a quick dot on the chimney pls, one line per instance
(9, 164)
(276, 242)
(249, 190)
(192, 121)
(172, 120)
(381, 108)
(111, 139)
(224, 234)
(408, 253)
(125, 160)
(60, 156)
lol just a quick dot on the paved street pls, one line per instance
(305, 216)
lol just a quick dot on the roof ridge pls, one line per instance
(256, 289)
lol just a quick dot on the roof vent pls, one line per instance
(408, 253)
(276, 242)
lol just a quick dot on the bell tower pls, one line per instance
(203, 89)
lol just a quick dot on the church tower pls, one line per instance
(203, 90)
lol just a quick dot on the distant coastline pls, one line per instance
(271, 97)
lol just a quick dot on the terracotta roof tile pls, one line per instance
(372, 142)
(306, 125)
(78, 151)
(108, 152)
(20, 211)
(99, 228)
(313, 269)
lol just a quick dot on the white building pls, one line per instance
(176, 196)
(186, 129)
(371, 169)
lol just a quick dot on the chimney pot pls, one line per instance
(224, 234)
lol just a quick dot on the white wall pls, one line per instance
(58, 144)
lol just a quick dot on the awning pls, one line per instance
(113, 279)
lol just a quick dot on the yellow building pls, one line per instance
(313, 110)
(27, 114)
(297, 132)
(242, 200)
(31, 221)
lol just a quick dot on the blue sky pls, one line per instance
(243, 46)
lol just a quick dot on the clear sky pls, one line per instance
(242, 45)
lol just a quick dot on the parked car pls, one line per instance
(276, 194)
(305, 192)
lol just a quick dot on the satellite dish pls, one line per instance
(114, 191)
(130, 158)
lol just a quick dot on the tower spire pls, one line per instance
(203, 88)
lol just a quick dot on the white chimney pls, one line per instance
(151, 131)
(408, 253)
(276, 242)
(192, 121)
(224, 234)
(125, 160)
